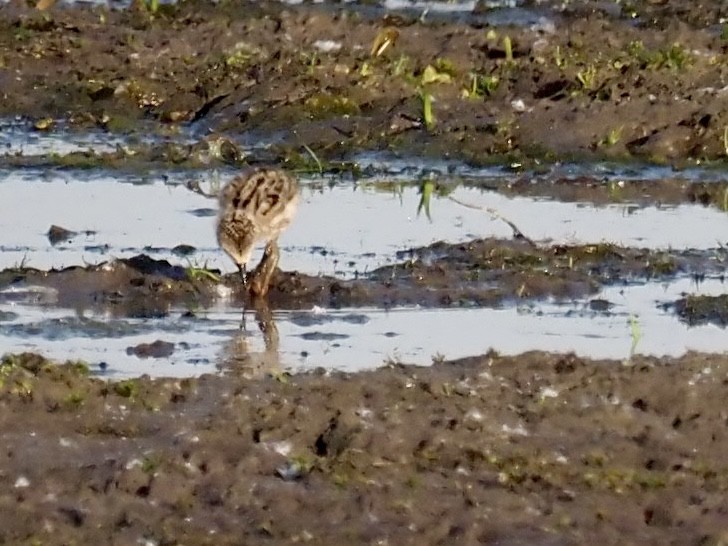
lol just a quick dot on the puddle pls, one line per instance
(407, 168)
(358, 339)
(17, 137)
(345, 229)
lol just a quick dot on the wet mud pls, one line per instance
(537, 448)
(341, 78)
(487, 272)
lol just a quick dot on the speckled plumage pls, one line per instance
(255, 206)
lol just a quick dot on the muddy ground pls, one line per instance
(534, 449)
(485, 272)
(642, 79)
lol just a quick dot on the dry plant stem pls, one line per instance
(517, 233)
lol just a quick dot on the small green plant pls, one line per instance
(80, 367)
(613, 137)
(427, 187)
(559, 60)
(482, 86)
(508, 48)
(399, 67)
(676, 57)
(310, 60)
(385, 39)
(636, 49)
(587, 77)
(241, 55)
(198, 273)
(445, 66)
(431, 74)
(315, 158)
(427, 115)
(127, 388)
(635, 333)
(74, 400)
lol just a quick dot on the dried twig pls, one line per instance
(517, 233)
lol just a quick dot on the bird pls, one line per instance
(256, 205)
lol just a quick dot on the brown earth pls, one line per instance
(534, 449)
(641, 81)
(486, 272)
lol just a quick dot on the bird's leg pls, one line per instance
(267, 325)
(244, 277)
(264, 272)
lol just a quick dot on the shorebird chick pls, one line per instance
(257, 205)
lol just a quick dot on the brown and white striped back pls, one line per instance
(265, 199)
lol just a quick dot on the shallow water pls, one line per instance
(358, 339)
(344, 229)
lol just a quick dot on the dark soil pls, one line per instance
(487, 272)
(640, 81)
(538, 449)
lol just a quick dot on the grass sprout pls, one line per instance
(508, 48)
(635, 333)
(315, 158)
(426, 189)
(427, 114)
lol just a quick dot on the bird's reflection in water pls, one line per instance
(237, 356)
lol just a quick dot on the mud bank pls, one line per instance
(538, 449)
(481, 272)
(651, 85)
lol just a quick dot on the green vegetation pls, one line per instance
(587, 77)
(635, 334)
(482, 85)
(508, 48)
(426, 188)
(325, 105)
(674, 57)
(315, 158)
(384, 40)
(427, 114)
(242, 55)
(129, 388)
(200, 273)
(613, 137)
(150, 463)
(74, 400)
